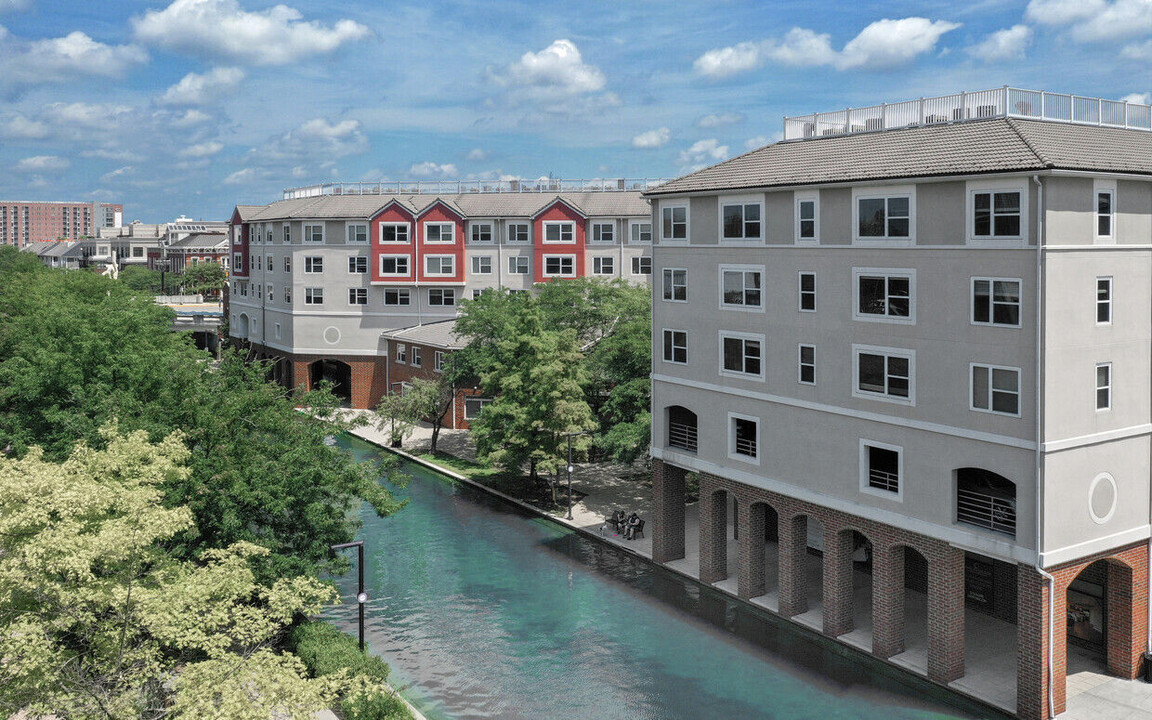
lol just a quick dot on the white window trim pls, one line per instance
(687, 239)
(238, 262)
(866, 488)
(675, 269)
(800, 292)
(544, 266)
(662, 339)
(593, 224)
(474, 226)
(560, 223)
(857, 350)
(451, 236)
(909, 273)
(380, 265)
(352, 261)
(476, 263)
(742, 336)
(1103, 186)
(306, 236)
(313, 257)
(972, 387)
(723, 200)
(883, 191)
(981, 186)
(634, 223)
(286, 233)
(439, 274)
(740, 268)
(517, 260)
(451, 291)
(367, 233)
(638, 265)
(800, 363)
(276, 331)
(401, 354)
(356, 292)
(508, 233)
(1111, 300)
(599, 259)
(1097, 387)
(815, 199)
(406, 226)
(992, 289)
(438, 361)
(310, 293)
(400, 292)
(732, 454)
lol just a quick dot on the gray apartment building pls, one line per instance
(319, 278)
(905, 354)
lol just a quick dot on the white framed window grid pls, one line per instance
(806, 282)
(395, 233)
(741, 287)
(806, 364)
(675, 287)
(884, 295)
(882, 470)
(741, 355)
(996, 301)
(994, 389)
(884, 374)
(1104, 301)
(394, 266)
(676, 347)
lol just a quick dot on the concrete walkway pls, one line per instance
(990, 647)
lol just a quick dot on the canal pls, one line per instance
(484, 611)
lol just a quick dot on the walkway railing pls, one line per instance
(979, 105)
(682, 436)
(463, 187)
(986, 511)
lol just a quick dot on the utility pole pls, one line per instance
(361, 596)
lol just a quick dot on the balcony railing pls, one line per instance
(746, 446)
(987, 511)
(884, 480)
(682, 436)
(979, 105)
(464, 187)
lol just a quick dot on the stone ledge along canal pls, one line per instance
(485, 611)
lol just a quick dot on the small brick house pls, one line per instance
(420, 351)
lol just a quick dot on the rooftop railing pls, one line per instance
(965, 106)
(463, 187)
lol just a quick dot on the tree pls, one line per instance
(95, 616)
(141, 279)
(400, 411)
(206, 278)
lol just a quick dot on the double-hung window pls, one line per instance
(603, 232)
(518, 233)
(743, 438)
(741, 355)
(237, 262)
(268, 292)
(642, 265)
(417, 356)
(313, 296)
(559, 266)
(559, 232)
(357, 232)
(357, 296)
(394, 265)
(438, 360)
(358, 264)
(1103, 301)
(884, 217)
(314, 233)
(518, 264)
(439, 232)
(996, 389)
(603, 265)
(807, 289)
(885, 295)
(397, 296)
(807, 221)
(287, 263)
(269, 263)
(996, 214)
(740, 287)
(481, 232)
(313, 264)
(440, 265)
(807, 365)
(482, 264)
(287, 233)
(996, 301)
(441, 297)
(394, 232)
(1104, 386)
(884, 374)
(674, 222)
(402, 354)
(676, 284)
(740, 220)
(676, 346)
(641, 233)
(1105, 213)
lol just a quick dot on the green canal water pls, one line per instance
(484, 611)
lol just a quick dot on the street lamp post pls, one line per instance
(361, 596)
(570, 436)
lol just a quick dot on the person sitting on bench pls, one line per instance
(633, 524)
(618, 519)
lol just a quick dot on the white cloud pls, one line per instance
(63, 58)
(317, 139)
(703, 152)
(85, 115)
(716, 120)
(882, 44)
(203, 149)
(1138, 98)
(241, 176)
(477, 154)
(429, 169)
(1007, 44)
(557, 68)
(189, 118)
(194, 88)
(652, 138)
(1095, 20)
(1061, 12)
(42, 163)
(116, 173)
(21, 127)
(756, 142)
(221, 29)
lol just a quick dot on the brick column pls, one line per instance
(1031, 644)
(793, 565)
(300, 377)
(887, 601)
(713, 533)
(750, 574)
(667, 512)
(1124, 645)
(946, 615)
(837, 581)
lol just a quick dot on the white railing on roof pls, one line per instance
(462, 187)
(980, 105)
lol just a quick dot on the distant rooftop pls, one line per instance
(463, 187)
(1005, 102)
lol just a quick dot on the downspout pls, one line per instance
(1040, 436)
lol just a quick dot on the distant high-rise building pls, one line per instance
(22, 222)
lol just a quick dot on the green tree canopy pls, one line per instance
(206, 278)
(141, 279)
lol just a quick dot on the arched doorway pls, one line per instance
(1088, 615)
(242, 326)
(339, 374)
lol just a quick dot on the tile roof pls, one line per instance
(202, 240)
(967, 148)
(441, 334)
(246, 211)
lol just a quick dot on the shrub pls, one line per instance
(379, 707)
(324, 650)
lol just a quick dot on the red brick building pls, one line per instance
(421, 352)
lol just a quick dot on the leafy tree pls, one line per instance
(400, 411)
(95, 616)
(141, 279)
(206, 278)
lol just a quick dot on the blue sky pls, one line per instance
(193, 106)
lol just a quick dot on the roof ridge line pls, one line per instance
(1039, 155)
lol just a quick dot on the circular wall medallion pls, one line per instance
(1102, 498)
(331, 335)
